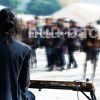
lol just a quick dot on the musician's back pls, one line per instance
(12, 66)
(14, 61)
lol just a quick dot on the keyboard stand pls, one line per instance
(82, 87)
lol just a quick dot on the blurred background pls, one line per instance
(55, 8)
(41, 7)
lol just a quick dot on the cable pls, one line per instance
(77, 93)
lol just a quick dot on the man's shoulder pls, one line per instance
(20, 44)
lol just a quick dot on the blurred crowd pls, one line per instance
(59, 37)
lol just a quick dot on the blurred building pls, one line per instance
(67, 2)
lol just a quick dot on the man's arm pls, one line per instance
(24, 77)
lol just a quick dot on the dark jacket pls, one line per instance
(14, 70)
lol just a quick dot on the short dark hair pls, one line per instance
(8, 21)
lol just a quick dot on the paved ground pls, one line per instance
(66, 75)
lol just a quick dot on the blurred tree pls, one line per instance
(42, 7)
(9, 3)
(37, 7)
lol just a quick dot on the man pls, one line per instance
(14, 61)
(47, 41)
(70, 41)
(92, 52)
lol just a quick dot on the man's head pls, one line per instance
(8, 20)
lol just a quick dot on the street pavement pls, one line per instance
(40, 73)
